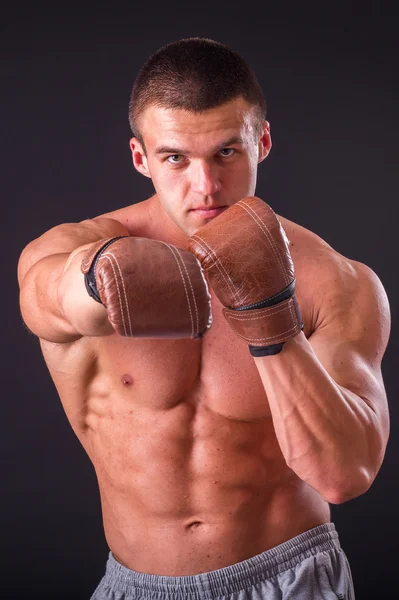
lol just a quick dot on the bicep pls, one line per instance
(352, 336)
(64, 239)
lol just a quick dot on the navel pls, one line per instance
(194, 525)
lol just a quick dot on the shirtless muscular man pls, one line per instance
(220, 364)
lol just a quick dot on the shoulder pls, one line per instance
(317, 261)
(135, 217)
(335, 289)
(303, 242)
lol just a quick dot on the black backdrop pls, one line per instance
(331, 81)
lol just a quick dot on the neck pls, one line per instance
(166, 229)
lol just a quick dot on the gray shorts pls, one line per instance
(310, 566)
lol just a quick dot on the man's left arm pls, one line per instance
(327, 395)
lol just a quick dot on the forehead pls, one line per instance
(166, 124)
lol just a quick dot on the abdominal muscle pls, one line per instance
(189, 493)
(180, 434)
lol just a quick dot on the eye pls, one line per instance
(226, 152)
(174, 159)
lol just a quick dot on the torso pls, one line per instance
(180, 434)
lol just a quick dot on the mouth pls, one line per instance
(208, 211)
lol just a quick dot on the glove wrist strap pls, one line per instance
(89, 262)
(267, 327)
(265, 350)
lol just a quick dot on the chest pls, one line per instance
(228, 377)
(217, 372)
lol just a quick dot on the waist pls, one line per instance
(211, 540)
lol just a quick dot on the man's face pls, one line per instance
(200, 164)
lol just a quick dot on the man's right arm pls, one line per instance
(53, 298)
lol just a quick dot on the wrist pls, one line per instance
(85, 316)
(267, 328)
(287, 348)
(89, 263)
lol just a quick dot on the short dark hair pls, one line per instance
(194, 74)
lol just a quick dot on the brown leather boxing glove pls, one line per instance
(150, 289)
(245, 255)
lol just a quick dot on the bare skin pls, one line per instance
(191, 474)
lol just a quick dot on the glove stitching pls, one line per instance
(185, 287)
(267, 339)
(270, 298)
(91, 253)
(108, 253)
(269, 236)
(268, 312)
(293, 313)
(107, 256)
(275, 248)
(288, 306)
(211, 252)
(192, 292)
(216, 260)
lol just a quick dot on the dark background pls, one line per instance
(330, 77)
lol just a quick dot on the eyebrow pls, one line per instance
(225, 144)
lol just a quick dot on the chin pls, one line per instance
(189, 231)
(190, 228)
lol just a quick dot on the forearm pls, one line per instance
(325, 431)
(55, 305)
(86, 316)
(53, 298)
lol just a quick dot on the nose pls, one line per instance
(205, 179)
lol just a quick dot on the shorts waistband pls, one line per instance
(228, 579)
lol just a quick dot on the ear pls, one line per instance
(139, 158)
(265, 142)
